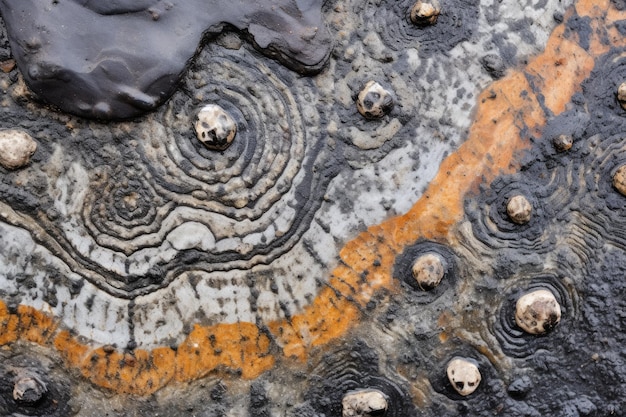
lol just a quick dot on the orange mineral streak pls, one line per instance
(508, 113)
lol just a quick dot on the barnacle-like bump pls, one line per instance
(619, 180)
(519, 209)
(464, 375)
(563, 143)
(364, 403)
(428, 270)
(215, 128)
(374, 101)
(16, 148)
(425, 13)
(537, 312)
(29, 389)
(621, 95)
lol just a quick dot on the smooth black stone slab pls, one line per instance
(117, 59)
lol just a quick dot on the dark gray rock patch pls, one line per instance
(117, 60)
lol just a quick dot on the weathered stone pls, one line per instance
(364, 403)
(519, 209)
(136, 52)
(215, 128)
(464, 375)
(374, 101)
(16, 148)
(537, 312)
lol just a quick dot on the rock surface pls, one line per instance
(16, 148)
(537, 312)
(463, 375)
(144, 274)
(118, 60)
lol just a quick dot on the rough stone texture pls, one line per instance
(16, 148)
(364, 403)
(144, 274)
(464, 376)
(537, 312)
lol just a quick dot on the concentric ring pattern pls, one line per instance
(173, 205)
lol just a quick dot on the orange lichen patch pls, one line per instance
(35, 326)
(559, 71)
(508, 113)
(295, 347)
(129, 372)
(506, 109)
(72, 350)
(328, 317)
(9, 325)
(239, 347)
(592, 8)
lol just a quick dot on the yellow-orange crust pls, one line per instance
(505, 110)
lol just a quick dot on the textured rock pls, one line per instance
(519, 209)
(214, 127)
(463, 375)
(294, 306)
(537, 312)
(120, 59)
(364, 403)
(374, 101)
(16, 148)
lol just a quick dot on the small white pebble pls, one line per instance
(537, 312)
(619, 180)
(215, 128)
(364, 403)
(425, 13)
(563, 143)
(519, 209)
(28, 389)
(16, 148)
(463, 375)
(621, 95)
(428, 270)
